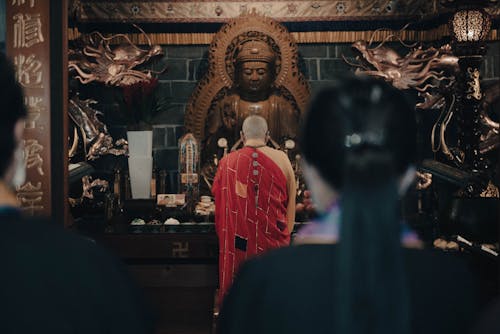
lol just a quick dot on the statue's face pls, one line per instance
(255, 77)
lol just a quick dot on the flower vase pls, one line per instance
(140, 162)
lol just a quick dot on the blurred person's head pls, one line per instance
(359, 140)
(359, 131)
(12, 116)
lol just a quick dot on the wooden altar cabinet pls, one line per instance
(177, 268)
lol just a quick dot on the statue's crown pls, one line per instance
(255, 51)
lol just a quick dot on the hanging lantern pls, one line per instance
(470, 25)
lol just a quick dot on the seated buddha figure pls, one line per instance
(253, 93)
(253, 69)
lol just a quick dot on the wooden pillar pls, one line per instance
(59, 109)
(36, 43)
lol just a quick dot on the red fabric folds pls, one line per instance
(250, 217)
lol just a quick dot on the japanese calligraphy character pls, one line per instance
(22, 2)
(35, 108)
(29, 71)
(30, 197)
(27, 30)
(32, 151)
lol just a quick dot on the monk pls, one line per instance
(254, 190)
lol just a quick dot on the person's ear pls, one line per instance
(268, 136)
(242, 136)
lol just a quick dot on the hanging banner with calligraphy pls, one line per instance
(28, 45)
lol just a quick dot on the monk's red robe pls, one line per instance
(251, 200)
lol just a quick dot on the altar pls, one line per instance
(177, 269)
(177, 70)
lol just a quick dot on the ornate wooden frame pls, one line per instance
(190, 11)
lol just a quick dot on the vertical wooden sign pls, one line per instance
(28, 45)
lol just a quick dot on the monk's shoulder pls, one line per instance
(281, 159)
(282, 155)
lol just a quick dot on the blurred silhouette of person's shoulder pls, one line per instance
(489, 321)
(55, 281)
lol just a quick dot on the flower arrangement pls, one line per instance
(141, 103)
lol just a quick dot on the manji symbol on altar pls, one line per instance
(28, 71)
(30, 197)
(32, 151)
(27, 30)
(180, 249)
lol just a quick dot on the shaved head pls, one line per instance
(254, 127)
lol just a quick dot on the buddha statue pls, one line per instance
(253, 93)
(253, 69)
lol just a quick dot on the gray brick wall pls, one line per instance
(187, 64)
